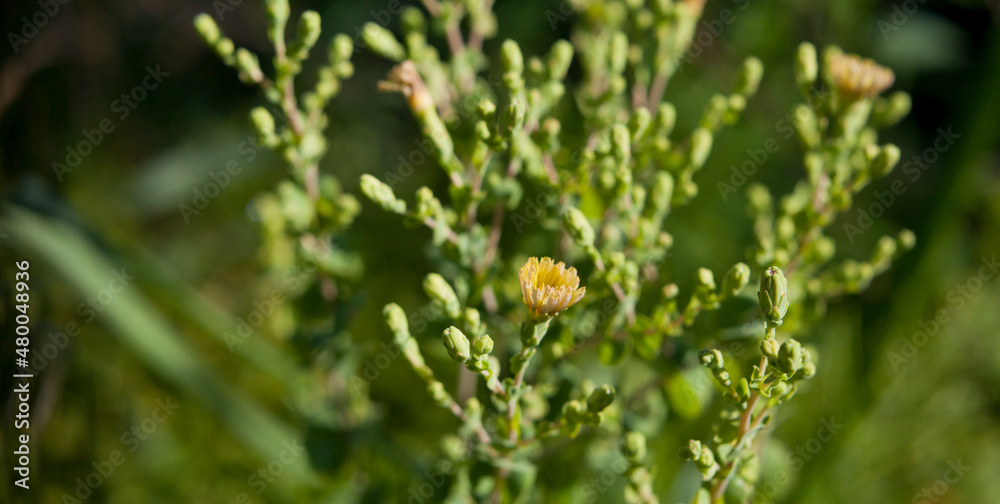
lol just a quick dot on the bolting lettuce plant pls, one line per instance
(572, 158)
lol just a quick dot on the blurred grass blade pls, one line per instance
(143, 329)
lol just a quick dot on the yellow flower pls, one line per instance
(859, 77)
(549, 287)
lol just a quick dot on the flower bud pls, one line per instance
(601, 398)
(618, 52)
(885, 160)
(263, 122)
(736, 279)
(577, 225)
(666, 118)
(511, 58)
(773, 296)
(438, 289)
(769, 347)
(790, 357)
(381, 194)
(906, 239)
(750, 76)
(307, 34)
(472, 320)
(560, 57)
(207, 29)
(806, 66)
(621, 143)
(635, 446)
(457, 344)
(483, 345)
(248, 65)
(382, 42)
(890, 110)
(670, 291)
(701, 146)
(395, 318)
(341, 48)
(711, 358)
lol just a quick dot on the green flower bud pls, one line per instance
(277, 11)
(773, 296)
(635, 446)
(907, 240)
(511, 58)
(670, 291)
(790, 357)
(224, 48)
(438, 393)
(618, 53)
(248, 65)
(457, 344)
(207, 29)
(307, 34)
(750, 77)
(453, 447)
(885, 250)
(341, 48)
(885, 161)
(438, 289)
(427, 204)
(263, 122)
(486, 110)
(601, 398)
(662, 192)
(889, 111)
(808, 370)
(577, 225)
(769, 347)
(701, 146)
(806, 66)
(736, 279)
(381, 194)
(413, 20)
(666, 118)
(471, 319)
(382, 42)
(705, 279)
(711, 358)
(560, 57)
(483, 345)
(395, 318)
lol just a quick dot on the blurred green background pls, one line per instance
(110, 371)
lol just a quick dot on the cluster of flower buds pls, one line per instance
(712, 359)
(702, 457)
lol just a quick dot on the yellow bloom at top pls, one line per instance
(859, 77)
(549, 287)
